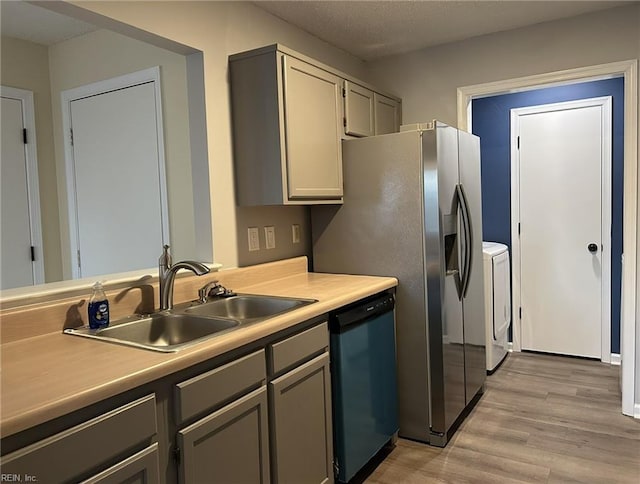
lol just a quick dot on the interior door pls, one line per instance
(15, 257)
(560, 190)
(117, 180)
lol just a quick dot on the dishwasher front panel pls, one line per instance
(365, 407)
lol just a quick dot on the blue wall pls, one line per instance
(491, 121)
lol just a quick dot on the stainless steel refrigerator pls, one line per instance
(412, 209)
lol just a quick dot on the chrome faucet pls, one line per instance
(167, 274)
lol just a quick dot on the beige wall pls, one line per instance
(220, 29)
(101, 55)
(25, 65)
(427, 80)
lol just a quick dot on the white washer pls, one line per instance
(497, 301)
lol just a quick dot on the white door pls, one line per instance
(561, 163)
(21, 259)
(116, 162)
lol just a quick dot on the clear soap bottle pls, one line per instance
(98, 308)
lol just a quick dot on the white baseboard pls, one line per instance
(615, 359)
(510, 346)
(636, 411)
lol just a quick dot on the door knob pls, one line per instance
(593, 248)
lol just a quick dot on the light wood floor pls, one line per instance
(542, 419)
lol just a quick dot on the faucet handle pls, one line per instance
(165, 258)
(213, 289)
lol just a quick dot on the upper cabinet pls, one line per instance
(289, 116)
(387, 114)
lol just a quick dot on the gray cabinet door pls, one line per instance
(358, 110)
(387, 114)
(229, 446)
(140, 468)
(313, 114)
(301, 436)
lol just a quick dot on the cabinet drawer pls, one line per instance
(142, 467)
(80, 449)
(297, 349)
(218, 386)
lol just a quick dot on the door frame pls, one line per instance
(605, 103)
(144, 76)
(33, 184)
(628, 69)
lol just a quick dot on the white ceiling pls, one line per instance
(374, 29)
(40, 25)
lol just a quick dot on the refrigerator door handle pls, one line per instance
(468, 237)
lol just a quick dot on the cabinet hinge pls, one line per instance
(518, 228)
(79, 264)
(344, 122)
(520, 312)
(518, 142)
(24, 135)
(176, 455)
(71, 136)
(33, 253)
(344, 92)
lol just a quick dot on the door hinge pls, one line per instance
(33, 254)
(71, 136)
(24, 135)
(518, 142)
(520, 313)
(176, 455)
(79, 264)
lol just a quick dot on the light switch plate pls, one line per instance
(270, 237)
(295, 233)
(254, 238)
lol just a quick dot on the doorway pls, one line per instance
(628, 71)
(561, 228)
(21, 255)
(115, 167)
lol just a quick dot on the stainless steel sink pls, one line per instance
(247, 308)
(165, 331)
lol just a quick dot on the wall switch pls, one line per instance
(254, 238)
(295, 233)
(270, 237)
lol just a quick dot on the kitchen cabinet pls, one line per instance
(85, 449)
(300, 408)
(231, 444)
(387, 114)
(358, 110)
(289, 116)
(287, 128)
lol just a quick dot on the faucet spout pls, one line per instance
(167, 274)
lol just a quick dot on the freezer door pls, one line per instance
(444, 308)
(473, 302)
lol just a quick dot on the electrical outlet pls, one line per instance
(295, 233)
(270, 237)
(254, 238)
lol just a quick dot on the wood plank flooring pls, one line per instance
(541, 419)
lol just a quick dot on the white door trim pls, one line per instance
(605, 321)
(629, 326)
(151, 74)
(33, 185)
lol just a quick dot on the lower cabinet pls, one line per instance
(301, 433)
(82, 450)
(141, 468)
(228, 446)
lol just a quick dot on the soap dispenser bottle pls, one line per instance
(98, 308)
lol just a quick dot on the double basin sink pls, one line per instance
(174, 329)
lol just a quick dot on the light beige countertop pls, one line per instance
(50, 375)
